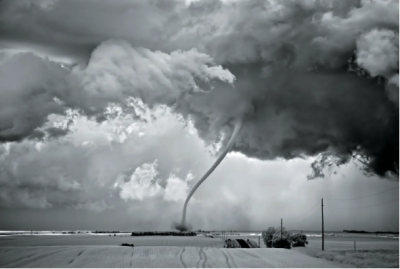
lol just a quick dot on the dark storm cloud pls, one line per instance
(288, 60)
(29, 86)
(74, 28)
(304, 114)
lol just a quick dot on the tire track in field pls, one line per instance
(6, 250)
(205, 258)
(35, 256)
(200, 258)
(226, 258)
(233, 262)
(76, 257)
(181, 257)
(198, 261)
(23, 258)
(201, 254)
(133, 251)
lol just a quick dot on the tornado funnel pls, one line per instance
(182, 226)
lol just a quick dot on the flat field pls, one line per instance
(347, 243)
(370, 251)
(149, 251)
(105, 240)
(190, 251)
(343, 242)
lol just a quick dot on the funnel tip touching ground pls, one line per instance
(181, 226)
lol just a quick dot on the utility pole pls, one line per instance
(281, 228)
(322, 214)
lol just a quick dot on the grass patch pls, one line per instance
(363, 258)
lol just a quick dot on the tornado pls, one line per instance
(182, 226)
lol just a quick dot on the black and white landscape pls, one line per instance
(170, 116)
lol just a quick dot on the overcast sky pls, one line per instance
(111, 111)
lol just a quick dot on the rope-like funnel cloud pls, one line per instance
(182, 226)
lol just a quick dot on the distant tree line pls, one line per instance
(365, 232)
(106, 232)
(164, 233)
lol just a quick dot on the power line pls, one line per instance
(346, 199)
(362, 206)
(307, 217)
(301, 215)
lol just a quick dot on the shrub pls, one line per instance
(273, 239)
(267, 236)
(229, 243)
(298, 240)
(283, 241)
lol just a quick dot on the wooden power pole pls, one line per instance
(281, 228)
(322, 214)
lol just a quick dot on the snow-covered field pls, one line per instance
(155, 256)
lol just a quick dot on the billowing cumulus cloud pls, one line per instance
(95, 160)
(143, 184)
(115, 72)
(378, 52)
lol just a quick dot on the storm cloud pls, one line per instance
(288, 63)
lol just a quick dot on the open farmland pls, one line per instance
(347, 243)
(116, 256)
(149, 251)
(370, 251)
(171, 251)
(105, 240)
(337, 243)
